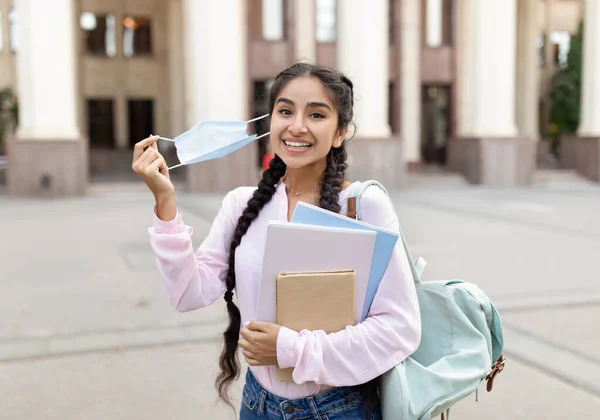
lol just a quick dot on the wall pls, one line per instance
(122, 78)
(566, 15)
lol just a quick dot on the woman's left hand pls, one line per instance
(259, 343)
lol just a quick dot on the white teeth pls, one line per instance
(296, 144)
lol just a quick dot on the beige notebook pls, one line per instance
(321, 300)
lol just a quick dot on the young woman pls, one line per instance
(335, 375)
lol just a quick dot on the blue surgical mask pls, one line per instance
(212, 140)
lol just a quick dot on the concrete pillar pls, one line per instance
(47, 96)
(363, 49)
(363, 55)
(48, 154)
(585, 149)
(489, 150)
(216, 85)
(494, 68)
(465, 68)
(528, 72)
(410, 86)
(7, 65)
(304, 25)
(549, 66)
(176, 69)
(590, 91)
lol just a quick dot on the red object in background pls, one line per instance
(267, 159)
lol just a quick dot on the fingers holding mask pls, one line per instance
(141, 146)
(149, 156)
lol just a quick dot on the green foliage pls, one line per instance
(9, 114)
(565, 94)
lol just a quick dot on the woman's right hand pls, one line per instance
(149, 164)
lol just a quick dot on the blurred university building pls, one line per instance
(456, 83)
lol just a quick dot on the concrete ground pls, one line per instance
(87, 331)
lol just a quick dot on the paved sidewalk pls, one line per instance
(88, 332)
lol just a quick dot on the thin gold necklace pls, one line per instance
(298, 193)
(305, 192)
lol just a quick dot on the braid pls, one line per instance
(333, 178)
(229, 361)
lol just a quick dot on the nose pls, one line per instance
(298, 125)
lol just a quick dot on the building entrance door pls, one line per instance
(141, 120)
(436, 127)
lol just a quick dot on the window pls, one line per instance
(101, 129)
(137, 36)
(260, 107)
(141, 119)
(326, 21)
(438, 23)
(540, 44)
(436, 117)
(561, 43)
(433, 23)
(99, 34)
(13, 29)
(273, 27)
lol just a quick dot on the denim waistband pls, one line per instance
(260, 399)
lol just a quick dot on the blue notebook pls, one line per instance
(385, 241)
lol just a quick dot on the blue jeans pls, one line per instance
(335, 404)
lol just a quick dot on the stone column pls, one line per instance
(363, 55)
(586, 147)
(176, 70)
(48, 154)
(304, 25)
(464, 47)
(216, 86)
(494, 68)
(464, 85)
(492, 152)
(410, 76)
(549, 66)
(528, 72)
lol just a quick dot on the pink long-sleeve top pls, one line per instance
(355, 355)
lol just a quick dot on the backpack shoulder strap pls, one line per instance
(355, 194)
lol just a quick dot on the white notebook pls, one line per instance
(292, 247)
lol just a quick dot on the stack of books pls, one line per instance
(321, 271)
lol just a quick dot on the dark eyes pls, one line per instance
(287, 113)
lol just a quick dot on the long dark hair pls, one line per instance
(340, 89)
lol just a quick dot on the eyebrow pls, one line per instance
(310, 104)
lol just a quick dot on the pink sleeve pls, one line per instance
(194, 279)
(391, 332)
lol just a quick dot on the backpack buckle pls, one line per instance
(496, 369)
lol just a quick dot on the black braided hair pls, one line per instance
(229, 360)
(340, 89)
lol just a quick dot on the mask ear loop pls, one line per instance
(258, 118)
(164, 138)
(172, 141)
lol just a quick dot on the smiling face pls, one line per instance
(304, 123)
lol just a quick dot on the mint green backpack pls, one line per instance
(461, 344)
